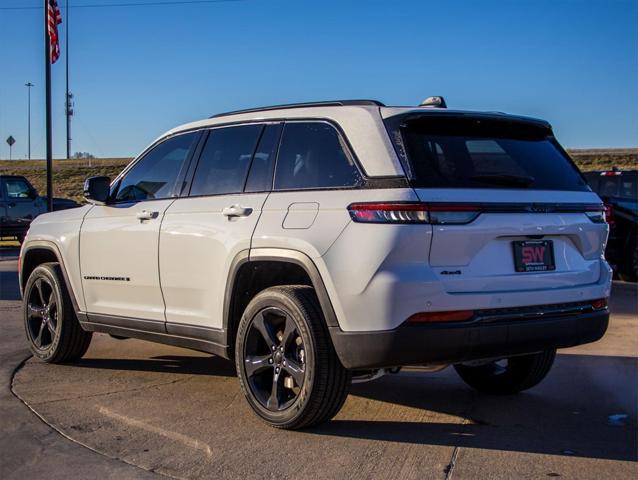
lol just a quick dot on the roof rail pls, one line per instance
(331, 103)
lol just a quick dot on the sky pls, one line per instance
(137, 71)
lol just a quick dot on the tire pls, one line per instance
(303, 383)
(520, 373)
(53, 331)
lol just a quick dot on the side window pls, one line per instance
(313, 155)
(17, 188)
(260, 176)
(628, 187)
(225, 159)
(609, 186)
(154, 176)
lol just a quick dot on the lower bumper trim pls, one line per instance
(459, 342)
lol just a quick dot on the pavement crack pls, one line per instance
(449, 469)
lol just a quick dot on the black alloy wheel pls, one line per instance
(274, 359)
(288, 369)
(42, 314)
(52, 328)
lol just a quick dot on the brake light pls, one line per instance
(599, 304)
(389, 212)
(609, 214)
(610, 174)
(449, 316)
(411, 213)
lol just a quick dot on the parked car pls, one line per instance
(317, 244)
(20, 204)
(619, 190)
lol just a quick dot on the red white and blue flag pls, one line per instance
(53, 20)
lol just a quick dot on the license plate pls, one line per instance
(534, 255)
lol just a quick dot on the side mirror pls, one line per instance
(33, 194)
(97, 189)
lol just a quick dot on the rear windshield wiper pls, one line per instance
(503, 179)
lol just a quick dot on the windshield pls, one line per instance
(466, 152)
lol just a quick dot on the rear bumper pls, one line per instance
(458, 342)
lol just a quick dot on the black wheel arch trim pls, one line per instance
(285, 256)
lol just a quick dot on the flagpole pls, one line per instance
(47, 75)
(68, 99)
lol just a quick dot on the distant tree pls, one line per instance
(83, 155)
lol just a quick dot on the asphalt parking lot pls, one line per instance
(132, 409)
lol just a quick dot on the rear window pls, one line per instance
(439, 152)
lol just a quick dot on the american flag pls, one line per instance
(53, 20)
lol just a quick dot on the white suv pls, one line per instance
(317, 244)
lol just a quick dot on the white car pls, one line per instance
(320, 244)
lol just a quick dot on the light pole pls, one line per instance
(29, 85)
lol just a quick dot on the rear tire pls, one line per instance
(53, 331)
(520, 373)
(287, 367)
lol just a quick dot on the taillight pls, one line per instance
(596, 213)
(599, 304)
(410, 213)
(449, 316)
(609, 214)
(389, 212)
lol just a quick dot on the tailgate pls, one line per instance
(480, 257)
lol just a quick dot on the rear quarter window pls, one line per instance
(313, 155)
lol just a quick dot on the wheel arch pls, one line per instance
(254, 271)
(36, 253)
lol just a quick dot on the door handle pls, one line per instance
(237, 211)
(12, 204)
(146, 215)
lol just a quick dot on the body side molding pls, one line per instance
(188, 336)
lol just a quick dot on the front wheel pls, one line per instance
(287, 366)
(509, 375)
(53, 331)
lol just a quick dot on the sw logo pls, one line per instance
(534, 254)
